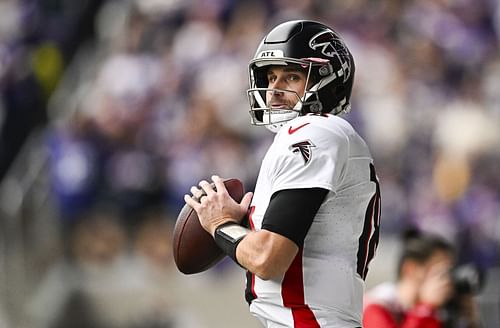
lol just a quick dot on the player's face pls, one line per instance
(289, 78)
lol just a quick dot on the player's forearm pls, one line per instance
(265, 255)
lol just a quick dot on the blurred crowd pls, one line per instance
(37, 41)
(163, 105)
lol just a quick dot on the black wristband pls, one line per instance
(227, 236)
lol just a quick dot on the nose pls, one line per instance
(274, 94)
(277, 85)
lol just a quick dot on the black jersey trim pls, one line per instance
(250, 287)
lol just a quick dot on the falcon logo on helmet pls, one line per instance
(333, 46)
(304, 148)
(324, 40)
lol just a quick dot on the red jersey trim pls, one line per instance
(250, 293)
(292, 293)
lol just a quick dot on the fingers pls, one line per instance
(206, 187)
(437, 286)
(247, 199)
(196, 192)
(191, 202)
(219, 183)
(199, 193)
(209, 188)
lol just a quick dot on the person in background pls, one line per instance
(424, 290)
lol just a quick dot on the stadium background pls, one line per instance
(111, 110)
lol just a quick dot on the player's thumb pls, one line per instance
(245, 202)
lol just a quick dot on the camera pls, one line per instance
(467, 282)
(467, 279)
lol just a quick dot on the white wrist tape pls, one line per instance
(228, 235)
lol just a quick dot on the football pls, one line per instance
(194, 249)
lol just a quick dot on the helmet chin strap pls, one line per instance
(274, 128)
(280, 118)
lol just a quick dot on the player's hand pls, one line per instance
(437, 287)
(215, 207)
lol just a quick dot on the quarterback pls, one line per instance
(314, 216)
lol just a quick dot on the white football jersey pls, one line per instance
(324, 285)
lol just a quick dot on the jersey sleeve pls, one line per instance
(291, 212)
(315, 157)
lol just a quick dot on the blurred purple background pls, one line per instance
(111, 110)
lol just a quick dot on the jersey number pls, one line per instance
(368, 241)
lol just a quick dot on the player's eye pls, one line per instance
(294, 77)
(271, 78)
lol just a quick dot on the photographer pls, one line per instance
(461, 311)
(423, 292)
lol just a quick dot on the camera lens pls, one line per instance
(468, 279)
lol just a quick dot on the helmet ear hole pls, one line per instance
(325, 70)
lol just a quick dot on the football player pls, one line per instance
(315, 212)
